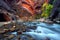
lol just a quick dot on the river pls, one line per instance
(44, 31)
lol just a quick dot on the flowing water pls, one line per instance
(43, 31)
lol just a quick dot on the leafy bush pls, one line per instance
(46, 8)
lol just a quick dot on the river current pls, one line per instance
(44, 31)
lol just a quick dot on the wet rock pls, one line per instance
(47, 38)
(38, 31)
(1, 36)
(26, 37)
(19, 32)
(32, 27)
(48, 21)
(18, 37)
(28, 30)
(2, 31)
(11, 36)
(12, 29)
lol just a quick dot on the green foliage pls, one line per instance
(46, 9)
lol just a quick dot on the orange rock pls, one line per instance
(27, 5)
(28, 8)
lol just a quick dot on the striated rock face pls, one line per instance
(23, 8)
(55, 13)
(28, 8)
(5, 9)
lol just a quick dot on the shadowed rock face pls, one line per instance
(55, 13)
(2, 18)
(6, 6)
